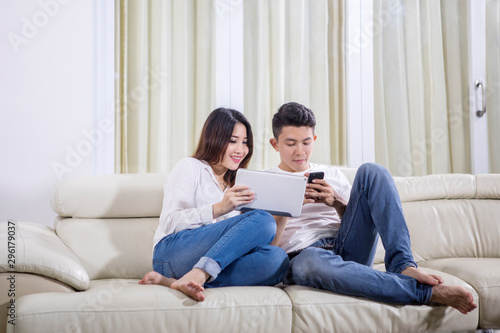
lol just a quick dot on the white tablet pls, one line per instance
(276, 193)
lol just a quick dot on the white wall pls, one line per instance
(48, 101)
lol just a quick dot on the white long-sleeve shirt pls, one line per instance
(190, 190)
(317, 220)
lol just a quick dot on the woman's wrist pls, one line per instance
(218, 210)
(215, 211)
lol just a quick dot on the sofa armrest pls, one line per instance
(38, 250)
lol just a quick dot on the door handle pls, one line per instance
(482, 111)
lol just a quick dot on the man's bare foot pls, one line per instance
(422, 276)
(156, 278)
(191, 284)
(454, 296)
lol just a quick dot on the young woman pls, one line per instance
(201, 241)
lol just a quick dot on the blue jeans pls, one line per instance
(235, 252)
(374, 209)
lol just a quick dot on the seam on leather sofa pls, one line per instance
(358, 300)
(156, 310)
(489, 287)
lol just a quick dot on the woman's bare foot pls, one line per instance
(422, 276)
(454, 296)
(156, 278)
(191, 284)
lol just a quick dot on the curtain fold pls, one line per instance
(493, 82)
(294, 51)
(165, 84)
(421, 86)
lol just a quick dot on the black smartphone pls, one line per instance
(315, 175)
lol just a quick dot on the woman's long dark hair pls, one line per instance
(215, 137)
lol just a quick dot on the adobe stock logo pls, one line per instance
(223, 7)
(31, 27)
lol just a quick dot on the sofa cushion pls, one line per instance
(26, 284)
(125, 306)
(110, 196)
(39, 251)
(316, 310)
(483, 275)
(111, 248)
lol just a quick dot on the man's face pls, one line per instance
(295, 145)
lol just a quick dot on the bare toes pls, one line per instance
(438, 278)
(194, 290)
(195, 286)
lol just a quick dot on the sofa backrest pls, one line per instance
(110, 196)
(451, 215)
(109, 221)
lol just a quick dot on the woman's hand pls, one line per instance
(233, 197)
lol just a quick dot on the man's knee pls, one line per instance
(372, 167)
(374, 171)
(313, 266)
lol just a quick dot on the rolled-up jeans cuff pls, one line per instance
(210, 266)
(408, 264)
(427, 294)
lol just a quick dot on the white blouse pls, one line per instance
(190, 190)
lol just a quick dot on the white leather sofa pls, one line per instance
(82, 275)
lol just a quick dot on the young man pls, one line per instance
(339, 227)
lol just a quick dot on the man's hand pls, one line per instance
(320, 191)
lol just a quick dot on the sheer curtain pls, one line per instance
(165, 84)
(421, 88)
(294, 51)
(493, 81)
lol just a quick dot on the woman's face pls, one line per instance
(237, 148)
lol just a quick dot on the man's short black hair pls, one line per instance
(292, 114)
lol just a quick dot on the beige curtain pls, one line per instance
(294, 52)
(493, 81)
(421, 89)
(165, 83)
